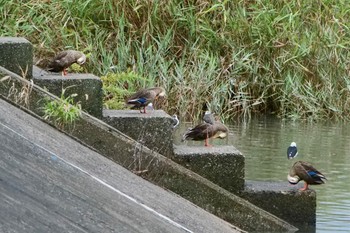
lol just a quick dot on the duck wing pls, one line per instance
(141, 98)
(199, 132)
(309, 173)
(59, 62)
(65, 59)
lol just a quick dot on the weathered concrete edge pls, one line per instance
(222, 165)
(17, 55)
(296, 207)
(88, 88)
(153, 166)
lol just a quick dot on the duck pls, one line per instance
(305, 171)
(144, 97)
(292, 151)
(176, 121)
(204, 131)
(65, 59)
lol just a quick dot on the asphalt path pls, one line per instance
(51, 183)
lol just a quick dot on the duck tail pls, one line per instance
(186, 134)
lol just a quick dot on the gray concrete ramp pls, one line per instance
(51, 183)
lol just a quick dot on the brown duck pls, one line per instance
(305, 171)
(206, 130)
(144, 97)
(65, 59)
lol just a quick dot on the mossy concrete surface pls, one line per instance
(16, 55)
(152, 129)
(223, 165)
(149, 164)
(285, 201)
(88, 88)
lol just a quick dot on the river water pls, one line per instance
(264, 143)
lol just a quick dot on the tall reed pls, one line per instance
(289, 58)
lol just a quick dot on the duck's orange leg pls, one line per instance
(64, 72)
(144, 110)
(306, 187)
(207, 142)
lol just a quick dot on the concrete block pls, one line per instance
(284, 201)
(153, 129)
(88, 88)
(223, 165)
(152, 166)
(16, 55)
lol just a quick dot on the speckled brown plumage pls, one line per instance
(65, 59)
(204, 131)
(144, 97)
(305, 171)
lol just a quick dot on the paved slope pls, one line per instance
(51, 183)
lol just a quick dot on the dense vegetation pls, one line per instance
(284, 57)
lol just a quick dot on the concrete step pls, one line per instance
(223, 165)
(52, 183)
(285, 201)
(87, 87)
(153, 129)
(152, 166)
(220, 165)
(16, 55)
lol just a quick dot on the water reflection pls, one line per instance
(264, 143)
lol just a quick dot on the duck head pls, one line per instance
(293, 179)
(81, 60)
(222, 135)
(161, 92)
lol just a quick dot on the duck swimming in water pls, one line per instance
(305, 171)
(144, 97)
(292, 151)
(65, 59)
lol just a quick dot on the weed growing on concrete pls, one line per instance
(62, 111)
(20, 94)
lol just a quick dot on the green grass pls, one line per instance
(63, 111)
(288, 58)
(118, 86)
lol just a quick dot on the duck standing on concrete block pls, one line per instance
(65, 59)
(144, 97)
(292, 151)
(305, 171)
(208, 129)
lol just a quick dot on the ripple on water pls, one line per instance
(327, 146)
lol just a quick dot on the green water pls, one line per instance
(264, 143)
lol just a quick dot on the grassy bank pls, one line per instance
(284, 57)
